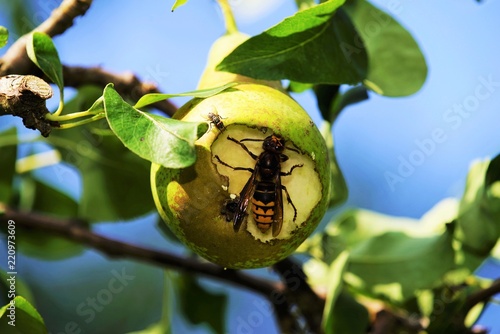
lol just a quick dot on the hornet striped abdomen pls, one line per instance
(264, 202)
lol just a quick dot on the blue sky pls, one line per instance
(439, 131)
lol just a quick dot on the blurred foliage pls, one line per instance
(200, 305)
(26, 318)
(401, 261)
(360, 258)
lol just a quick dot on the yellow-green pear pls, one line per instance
(198, 203)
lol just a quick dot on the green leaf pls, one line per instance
(156, 328)
(8, 156)
(316, 270)
(395, 265)
(164, 326)
(35, 161)
(351, 96)
(338, 188)
(331, 101)
(42, 51)
(335, 274)
(115, 181)
(178, 3)
(325, 95)
(4, 36)
(397, 66)
(200, 305)
(347, 316)
(168, 302)
(390, 257)
(357, 225)
(449, 313)
(495, 253)
(298, 87)
(342, 314)
(479, 213)
(161, 140)
(202, 93)
(307, 47)
(305, 4)
(475, 313)
(52, 202)
(27, 319)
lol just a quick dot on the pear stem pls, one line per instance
(228, 17)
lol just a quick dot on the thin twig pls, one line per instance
(483, 296)
(390, 322)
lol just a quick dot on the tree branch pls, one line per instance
(482, 296)
(300, 293)
(76, 230)
(390, 322)
(127, 84)
(16, 61)
(24, 96)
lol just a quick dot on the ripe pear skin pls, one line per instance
(219, 50)
(192, 201)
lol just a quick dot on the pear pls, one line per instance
(198, 203)
(219, 50)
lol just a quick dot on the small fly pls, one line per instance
(216, 120)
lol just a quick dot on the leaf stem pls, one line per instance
(61, 105)
(68, 117)
(82, 122)
(228, 17)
